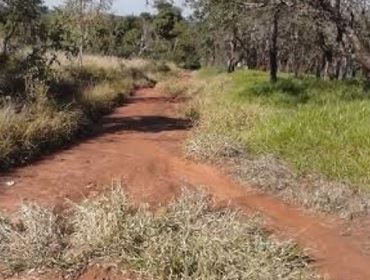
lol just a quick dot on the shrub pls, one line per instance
(174, 87)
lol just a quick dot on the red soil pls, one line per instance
(140, 146)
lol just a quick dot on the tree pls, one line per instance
(351, 20)
(84, 14)
(317, 37)
(28, 47)
(16, 17)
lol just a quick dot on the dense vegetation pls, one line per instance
(48, 97)
(300, 131)
(326, 38)
(165, 35)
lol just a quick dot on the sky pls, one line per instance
(120, 7)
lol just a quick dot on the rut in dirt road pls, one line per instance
(140, 145)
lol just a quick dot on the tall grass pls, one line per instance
(26, 134)
(320, 126)
(319, 130)
(186, 240)
(333, 139)
(55, 115)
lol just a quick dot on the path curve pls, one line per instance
(140, 145)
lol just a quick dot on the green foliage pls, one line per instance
(186, 54)
(19, 20)
(331, 139)
(166, 20)
(163, 36)
(288, 91)
(316, 126)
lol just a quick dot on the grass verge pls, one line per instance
(304, 140)
(186, 240)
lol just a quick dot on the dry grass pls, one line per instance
(55, 115)
(100, 99)
(107, 62)
(153, 69)
(276, 177)
(187, 240)
(26, 134)
(34, 240)
(175, 87)
(314, 192)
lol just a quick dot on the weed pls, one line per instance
(34, 240)
(187, 240)
(174, 87)
(26, 134)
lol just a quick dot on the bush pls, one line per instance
(174, 87)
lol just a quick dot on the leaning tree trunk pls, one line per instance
(274, 52)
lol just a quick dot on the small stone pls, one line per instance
(10, 183)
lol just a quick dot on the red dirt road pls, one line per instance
(140, 145)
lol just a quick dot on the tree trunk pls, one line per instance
(318, 68)
(6, 41)
(345, 27)
(80, 54)
(274, 52)
(82, 30)
(361, 53)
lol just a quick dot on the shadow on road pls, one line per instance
(150, 124)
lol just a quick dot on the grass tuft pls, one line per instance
(34, 240)
(188, 239)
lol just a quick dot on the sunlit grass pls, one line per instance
(315, 126)
(187, 239)
(78, 96)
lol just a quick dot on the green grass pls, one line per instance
(332, 139)
(316, 126)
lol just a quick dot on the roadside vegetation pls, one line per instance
(304, 139)
(52, 90)
(54, 114)
(188, 239)
(300, 132)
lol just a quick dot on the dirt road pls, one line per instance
(140, 146)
